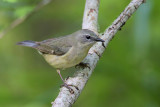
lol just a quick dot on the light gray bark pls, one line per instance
(80, 78)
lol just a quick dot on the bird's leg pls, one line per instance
(82, 65)
(65, 84)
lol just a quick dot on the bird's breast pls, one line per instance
(73, 57)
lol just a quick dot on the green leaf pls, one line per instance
(10, 1)
(22, 11)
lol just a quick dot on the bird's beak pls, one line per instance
(98, 40)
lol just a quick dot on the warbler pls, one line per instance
(65, 51)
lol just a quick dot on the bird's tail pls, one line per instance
(28, 43)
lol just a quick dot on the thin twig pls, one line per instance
(20, 20)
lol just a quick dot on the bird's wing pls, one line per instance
(54, 46)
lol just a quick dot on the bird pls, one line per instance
(65, 51)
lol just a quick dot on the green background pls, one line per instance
(127, 75)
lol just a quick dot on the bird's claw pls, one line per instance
(67, 78)
(83, 65)
(68, 87)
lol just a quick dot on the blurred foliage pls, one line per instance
(128, 74)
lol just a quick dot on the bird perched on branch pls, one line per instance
(66, 51)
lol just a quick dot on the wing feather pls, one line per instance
(57, 46)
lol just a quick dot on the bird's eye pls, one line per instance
(88, 37)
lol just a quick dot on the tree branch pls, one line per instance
(90, 17)
(80, 78)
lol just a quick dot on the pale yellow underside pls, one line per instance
(73, 57)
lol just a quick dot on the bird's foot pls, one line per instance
(67, 78)
(83, 65)
(68, 87)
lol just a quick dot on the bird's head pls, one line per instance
(87, 37)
